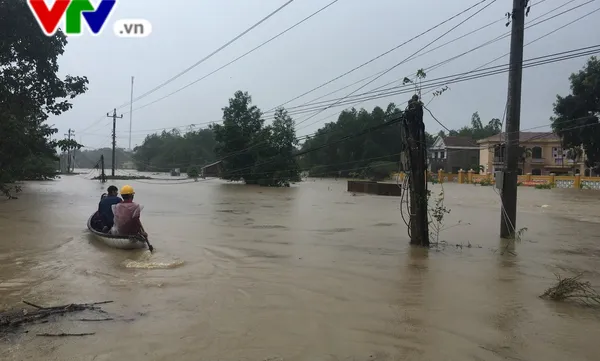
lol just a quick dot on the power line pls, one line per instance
(390, 69)
(436, 83)
(498, 38)
(446, 61)
(444, 80)
(358, 67)
(380, 55)
(324, 84)
(168, 81)
(238, 58)
(351, 136)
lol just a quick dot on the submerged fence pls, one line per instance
(528, 180)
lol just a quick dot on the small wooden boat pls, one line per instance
(121, 242)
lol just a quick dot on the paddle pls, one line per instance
(145, 238)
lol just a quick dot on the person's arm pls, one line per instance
(138, 222)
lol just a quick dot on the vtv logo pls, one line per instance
(73, 11)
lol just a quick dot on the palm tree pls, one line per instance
(525, 153)
(575, 154)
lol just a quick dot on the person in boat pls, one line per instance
(105, 207)
(127, 215)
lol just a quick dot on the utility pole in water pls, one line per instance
(102, 175)
(508, 211)
(68, 135)
(130, 112)
(114, 137)
(415, 145)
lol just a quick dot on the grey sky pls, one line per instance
(343, 36)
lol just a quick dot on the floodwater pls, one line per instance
(309, 273)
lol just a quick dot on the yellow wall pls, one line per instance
(486, 158)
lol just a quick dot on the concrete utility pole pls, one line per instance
(130, 112)
(68, 135)
(114, 137)
(103, 175)
(508, 217)
(414, 141)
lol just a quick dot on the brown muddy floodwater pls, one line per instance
(307, 273)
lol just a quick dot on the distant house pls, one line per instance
(544, 155)
(212, 170)
(452, 154)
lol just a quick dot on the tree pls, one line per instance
(525, 153)
(576, 115)
(68, 146)
(430, 139)
(575, 154)
(283, 167)
(252, 152)
(368, 155)
(30, 91)
(477, 130)
(167, 150)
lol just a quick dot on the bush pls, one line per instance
(484, 182)
(381, 170)
(544, 186)
(193, 172)
(318, 171)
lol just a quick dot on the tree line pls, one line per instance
(161, 152)
(260, 154)
(249, 150)
(90, 158)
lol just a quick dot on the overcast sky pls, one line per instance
(343, 36)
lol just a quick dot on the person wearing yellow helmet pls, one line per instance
(127, 215)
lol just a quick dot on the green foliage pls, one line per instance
(430, 139)
(576, 115)
(525, 153)
(67, 145)
(167, 150)
(477, 130)
(544, 186)
(30, 92)
(485, 182)
(381, 170)
(436, 216)
(193, 172)
(357, 155)
(477, 168)
(253, 152)
(88, 158)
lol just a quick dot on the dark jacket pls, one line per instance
(105, 209)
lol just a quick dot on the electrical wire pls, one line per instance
(403, 61)
(186, 70)
(332, 80)
(436, 39)
(446, 61)
(371, 129)
(236, 59)
(499, 38)
(493, 71)
(383, 54)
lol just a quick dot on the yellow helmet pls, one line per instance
(127, 189)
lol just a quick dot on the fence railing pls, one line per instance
(528, 180)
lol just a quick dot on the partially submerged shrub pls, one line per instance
(571, 288)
